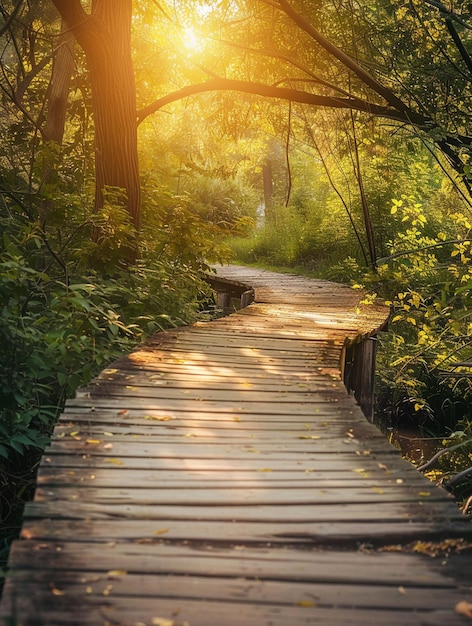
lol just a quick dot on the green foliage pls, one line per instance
(425, 358)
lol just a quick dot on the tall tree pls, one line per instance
(105, 36)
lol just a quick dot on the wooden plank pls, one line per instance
(335, 463)
(185, 446)
(248, 591)
(334, 533)
(229, 495)
(308, 407)
(272, 563)
(355, 512)
(111, 477)
(56, 611)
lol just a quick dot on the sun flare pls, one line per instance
(191, 41)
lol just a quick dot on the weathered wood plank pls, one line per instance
(271, 563)
(333, 533)
(247, 591)
(88, 611)
(355, 512)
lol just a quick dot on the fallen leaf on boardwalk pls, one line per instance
(108, 446)
(382, 466)
(123, 412)
(74, 433)
(309, 437)
(93, 441)
(115, 461)
(113, 573)
(305, 603)
(264, 469)
(107, 434)
(377, 490)
(424, 494)
(464, 608)
(55, 591)
(431, 548)
(162, 621)
(161, 531)
(158, 418)
(402, 590)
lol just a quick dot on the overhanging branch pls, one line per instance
(292, 95)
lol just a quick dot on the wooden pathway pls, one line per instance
(221, 475)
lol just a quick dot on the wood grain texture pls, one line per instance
(222, 475)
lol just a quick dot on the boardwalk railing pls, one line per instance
(221, 475)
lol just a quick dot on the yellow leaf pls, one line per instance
(158, 418)
(116, 572)
(464, 608)
(309, 437)
(93, 441)
(115, 461)
(305, 603)
(108, 434)
(161, 531)
(424, 494)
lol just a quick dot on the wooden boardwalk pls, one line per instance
(221, 475)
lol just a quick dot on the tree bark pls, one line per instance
(63, 66)
(105, 36)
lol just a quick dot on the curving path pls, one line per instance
(221, 475)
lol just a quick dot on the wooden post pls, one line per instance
(224, 301)
(358, 370)
(246, 298)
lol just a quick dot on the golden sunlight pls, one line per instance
(191, 41)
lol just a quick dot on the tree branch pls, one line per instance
(450, 14)
(10, 18)
(344, 58)
(293, 95)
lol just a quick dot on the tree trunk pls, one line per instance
(105, 36)
(63, 66)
